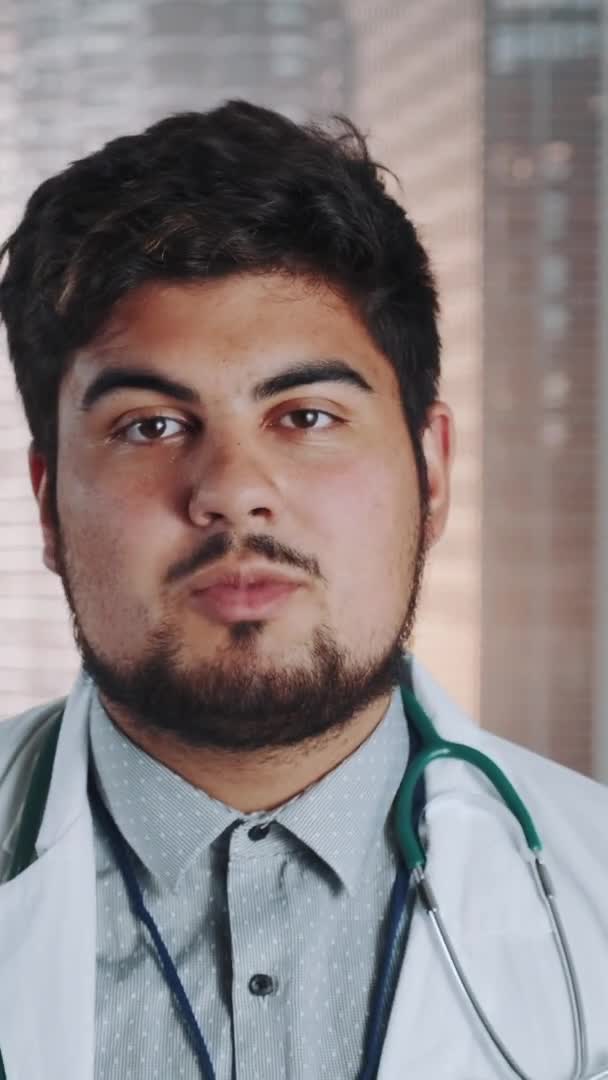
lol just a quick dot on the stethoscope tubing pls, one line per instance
(439, 928)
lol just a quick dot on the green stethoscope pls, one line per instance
(429, 747)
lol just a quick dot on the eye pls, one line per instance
(152, 428)
(307, 419)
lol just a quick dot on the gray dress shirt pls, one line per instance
(302, 903)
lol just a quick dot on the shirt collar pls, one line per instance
(168, 822)
(345, 814)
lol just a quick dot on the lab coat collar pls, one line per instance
(67, 798)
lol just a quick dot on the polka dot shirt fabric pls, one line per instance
(276, 934)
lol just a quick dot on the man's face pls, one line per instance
(312, 479)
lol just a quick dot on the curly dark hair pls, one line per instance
(202, 195)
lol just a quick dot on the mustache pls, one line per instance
(218, 546)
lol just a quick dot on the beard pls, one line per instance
(233, 703)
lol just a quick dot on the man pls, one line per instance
(225, 336)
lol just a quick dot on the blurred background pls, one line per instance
(494, 115)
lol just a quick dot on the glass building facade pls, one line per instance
(542, 357)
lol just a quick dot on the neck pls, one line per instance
(255, 780)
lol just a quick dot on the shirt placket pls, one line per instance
(261, 957)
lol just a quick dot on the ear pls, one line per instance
(40, 486)
(438, 449)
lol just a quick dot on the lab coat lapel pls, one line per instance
(424, 997)
(47, 928)
(47, 959)
(476, 864)
(500, 930)
(425, 1010)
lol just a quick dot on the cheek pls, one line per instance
(110, 566)
(107, 534)
(368, 523)
(110, 510)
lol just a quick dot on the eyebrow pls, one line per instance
(114, 379)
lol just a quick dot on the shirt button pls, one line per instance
(261, 985)
(258, 832)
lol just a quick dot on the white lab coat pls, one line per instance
(47, 914)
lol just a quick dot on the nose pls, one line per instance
(233, 483)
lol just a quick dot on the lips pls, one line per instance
(225, 602)
(241, 590)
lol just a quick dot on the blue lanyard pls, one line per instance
(399, 906)
(139, 909)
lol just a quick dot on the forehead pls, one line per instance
(236, 328)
